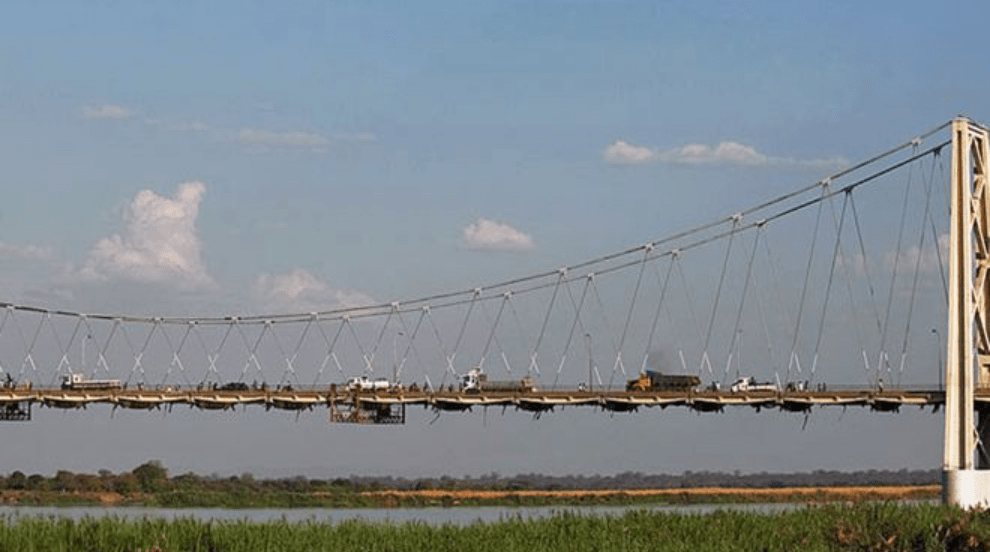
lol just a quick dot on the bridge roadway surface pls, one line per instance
(147, 398)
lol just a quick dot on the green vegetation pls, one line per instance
(865, 527)
(151, 485)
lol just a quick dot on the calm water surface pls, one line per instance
(432, 516)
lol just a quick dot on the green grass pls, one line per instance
(865, 527)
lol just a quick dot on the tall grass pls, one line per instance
(874, 527)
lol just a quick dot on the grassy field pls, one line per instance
(867, 527)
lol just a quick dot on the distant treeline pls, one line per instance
(639, 480)
(153, 477)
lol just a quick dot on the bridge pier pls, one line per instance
(966, 488)
(983, 438)
(971, 487)
(966, 483)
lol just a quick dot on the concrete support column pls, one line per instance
(964, 482)
(983, 435)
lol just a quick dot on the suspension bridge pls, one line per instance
(835, 293)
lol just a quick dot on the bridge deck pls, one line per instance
(534, 401)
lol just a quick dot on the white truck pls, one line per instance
(79, 382)
(364, 383)
(749, 383)
(476, 381)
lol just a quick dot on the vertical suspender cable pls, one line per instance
(883, 360)
(742, 301)
(460, 336)
(176, 360)
(690, 302)
(448, 356)
(917, 271)
(777, 294)
(410, 342)
(831, 277)
(718, 292)
(632, 303)
(577, 323)
(491, 334)
(608, 331)
(546, 320)
(935, 236)
(656, 315)
(804, 289)
(331, 354)
(763, 320)
(848, 263)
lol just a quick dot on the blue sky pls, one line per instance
(231, 157)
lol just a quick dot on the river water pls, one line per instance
(432, 516)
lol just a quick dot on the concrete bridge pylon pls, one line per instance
(966, 463)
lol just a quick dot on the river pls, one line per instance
(432, 516)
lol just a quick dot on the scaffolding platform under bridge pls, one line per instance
(15, 411)
(358, 412)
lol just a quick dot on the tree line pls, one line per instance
(153, 477)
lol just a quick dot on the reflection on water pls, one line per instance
(432, 516)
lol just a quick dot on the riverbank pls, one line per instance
(451, 498)
(662, 496)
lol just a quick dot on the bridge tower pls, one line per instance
(964, 482)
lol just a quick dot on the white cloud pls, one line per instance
(25, 252)
(107, 112)
(254, 137)
(305, 140)
(194, 125)
(491, 235)
(729, 153)
(623, 153)
(159, 243)
(178, 126)
(725, 153)
(854, 263)
(358, 137)
(927, 259)
(300, 291)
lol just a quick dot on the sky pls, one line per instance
(247, 157)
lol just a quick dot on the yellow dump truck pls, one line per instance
(651, 380)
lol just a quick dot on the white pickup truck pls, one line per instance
(364, 383)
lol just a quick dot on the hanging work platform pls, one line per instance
(357, 411)
(19, 411)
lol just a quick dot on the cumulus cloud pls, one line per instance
(107, 111)
(159, 243)
(24, 252)
(300, 291)
(730, 153)
(725, 153)
(623, 153)
(490, 235)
